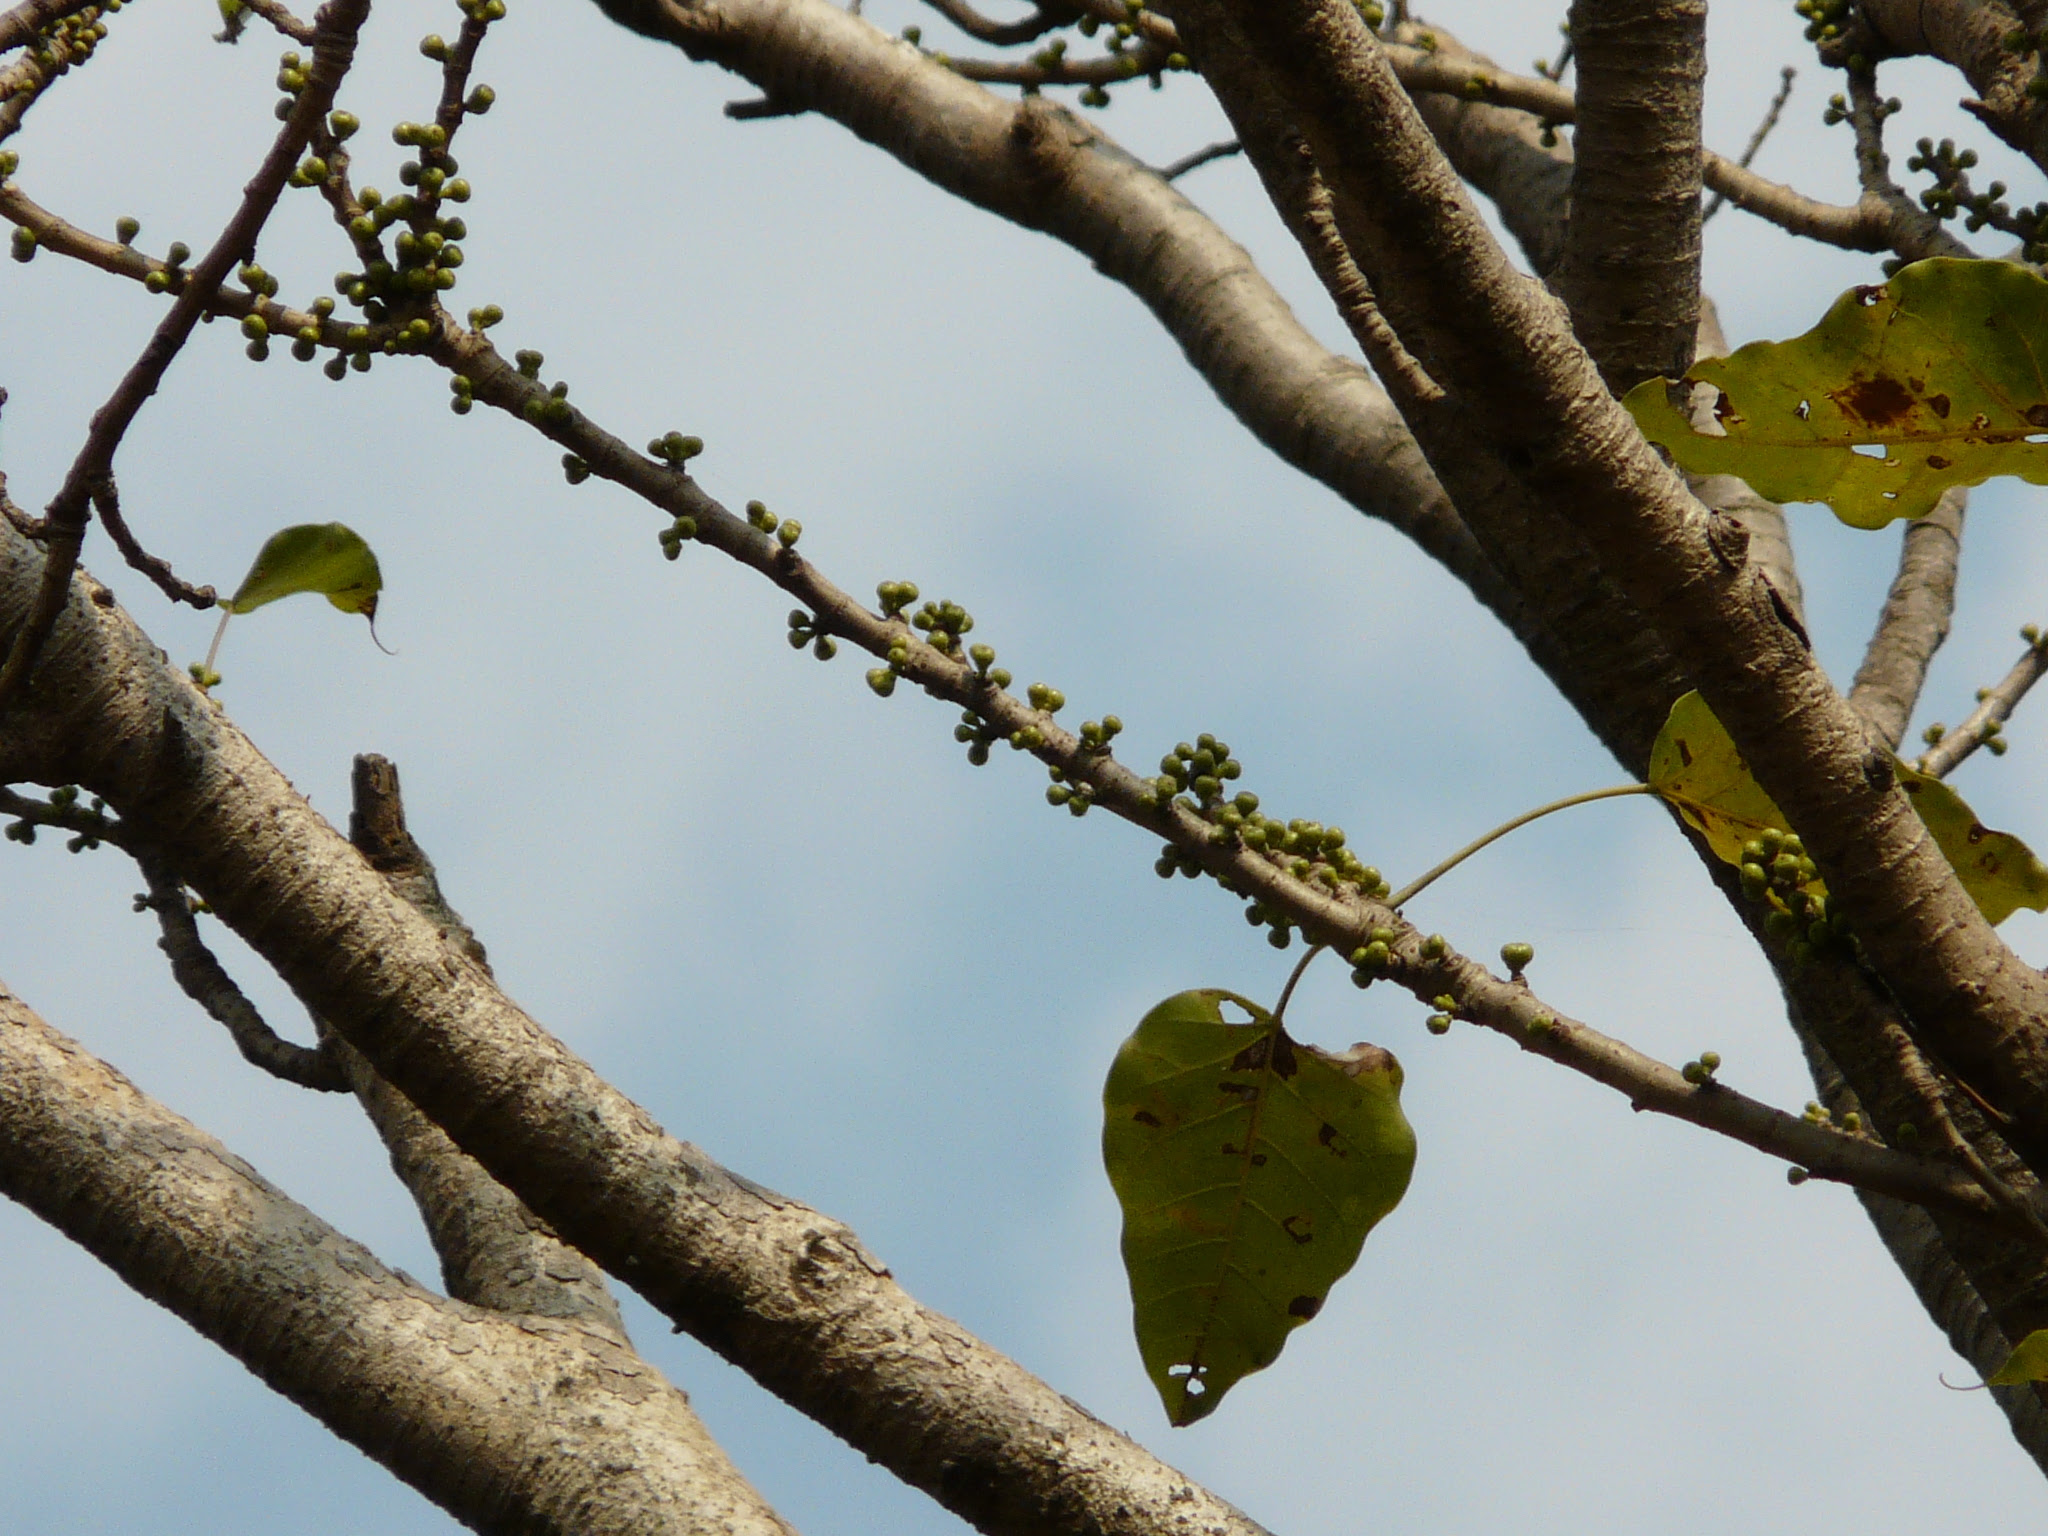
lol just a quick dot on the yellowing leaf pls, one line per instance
(1694, 766)
(1250, 1169)
(1939, 376)
(2027, 1362)
(1998, 870)
(312, 557)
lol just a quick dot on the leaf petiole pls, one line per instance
(1422, 882)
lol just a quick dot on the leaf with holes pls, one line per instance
(1998, 870)
(1250, 1169)
(327, 558)
(1936, 377)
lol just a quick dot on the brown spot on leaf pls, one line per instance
(1328, 1137)
(1146, 1117)
(1684, 753)
(1880, 401)
(1939, 404)
(1304, 1235)
(2037, 415)
(1305, 1307)
(1936, 461)
(1258, 1159)
(1243, 1092)
(1978, 832)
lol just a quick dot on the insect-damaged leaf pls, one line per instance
(1694, 765)
(2028, 1362)
(1940, 375)
(1250, 1169)
(312, 557)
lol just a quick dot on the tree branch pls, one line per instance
(1914, 621)
(1630, 272)
(1993, 709)
(208, 984)
(1972, 35)
(1495, 342)
(507, 1423)
(494, 1252)
(790, 1295)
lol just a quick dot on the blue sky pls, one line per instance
(791, 920)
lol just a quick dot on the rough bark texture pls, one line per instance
(524, 1424)
(1630, 272)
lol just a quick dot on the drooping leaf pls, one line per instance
(2028, 1362)
(1998, 870)
(1694, 765)
(327, 558)
(1250, 1169)
(1939, 374)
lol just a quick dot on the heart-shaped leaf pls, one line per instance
(1936, 377)
(1250, 1169)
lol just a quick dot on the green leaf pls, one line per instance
(1694, 765)
(312, 557)
(1998, 870)
(1939, 374)
(2028, 1362)
(1250, 1169)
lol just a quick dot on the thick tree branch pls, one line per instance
(1945, 1288)
(1497, 344)
(520, 1423)
(494, 1252)
(781, 1290)
(1973, 35)
(1630, 273)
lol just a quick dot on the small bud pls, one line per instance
(1516, 957)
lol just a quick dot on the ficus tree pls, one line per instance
(1187, 569)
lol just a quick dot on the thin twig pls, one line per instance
(1756, 140)
(1217, 151)
(281, 19)
(1914, 233)
(1990, 715)
(64, 525)
(1148, 58)
(208, 984)
(1003, 34)
(106, 500)
(90, 825)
